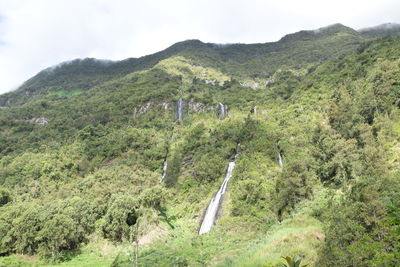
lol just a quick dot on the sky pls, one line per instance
(36, 34)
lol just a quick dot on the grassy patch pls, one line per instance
(96, 254)
(65, 93)
(301, 235)
(17, 261)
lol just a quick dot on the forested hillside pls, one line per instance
(101, 159)
(245, 61)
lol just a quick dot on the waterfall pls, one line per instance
(222, 111)
(212, 210)
(179, 110)
(164, 171)
(280, 160)
(255, 110)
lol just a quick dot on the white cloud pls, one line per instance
(40, 33)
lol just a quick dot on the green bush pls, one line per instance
(51, 228)
(58, 233)
(154, 197)
(5, 196)
(121, 214)
(295, 183)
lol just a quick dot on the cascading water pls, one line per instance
(212, 210)
(179, 110)
(222, 111)
(164, 171)
(255, 110)
(280, 160)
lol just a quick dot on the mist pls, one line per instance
(35, 35)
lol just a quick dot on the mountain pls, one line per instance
(240, 61)
(206, 154)
(387, 29)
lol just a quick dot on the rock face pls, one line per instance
(181, 107)
(253, 85)
(41, 121)
(142, 109)
(199, 107)
(165, 105)
(269, 82)
(210, 82)
(214, 82)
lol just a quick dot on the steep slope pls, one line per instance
(387, 29)
(242, 61)
(91, 174)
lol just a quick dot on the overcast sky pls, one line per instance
(35, 34)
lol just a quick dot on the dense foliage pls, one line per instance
(93, 170)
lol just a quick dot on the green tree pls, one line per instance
(5, 196)
(120, 215)
(295, 183)
(58, 233)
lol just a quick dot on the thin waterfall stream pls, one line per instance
(179, 110)
(164, 171)
(212, 210)
(222, 110)
(280, 160)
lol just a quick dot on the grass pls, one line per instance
(65, 93)
(233, 243)
(16, 261)
(96, 254)
(301, 235)
(88, 258)
(181, 66)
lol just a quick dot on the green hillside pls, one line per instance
(387, 29)
(241, 61)
(83, 145)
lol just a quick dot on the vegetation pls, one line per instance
(84, 187)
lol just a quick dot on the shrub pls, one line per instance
(5, 196)
(58, 233)
(120, 215)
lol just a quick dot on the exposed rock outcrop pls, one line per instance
(253, 85)
(142, 109)
(41, 121)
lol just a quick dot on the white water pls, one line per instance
(280, 160)
(179, 109)
(212, 210)
(222, 110)
(164, 171)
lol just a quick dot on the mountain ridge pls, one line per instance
(128, 167)
(245, 61)
(382, 30)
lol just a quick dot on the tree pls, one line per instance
(295, 183)
(5, 196)
(58, 233)
(120, 215)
